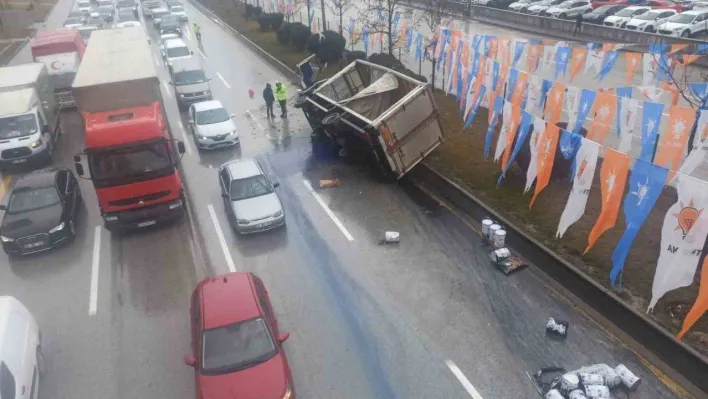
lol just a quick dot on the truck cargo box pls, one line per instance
(31, 76)
(117, 72)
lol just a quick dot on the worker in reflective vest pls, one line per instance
(282, 96)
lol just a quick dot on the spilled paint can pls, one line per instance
(592, 379)
(577, 394)
(597, 392)
(492, 229)
(608, 373)
(554, 394)
(499, 238)
(628, 378)
(485, 226)
(569, 382)
(392, 237)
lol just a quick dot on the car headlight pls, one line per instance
(242, 221)
(278, 214)
(201, 138)
(181, 95)
(6, 239)
(111, 218)
(233, 134)
(175, 204)
(59, 227)
(36, 143)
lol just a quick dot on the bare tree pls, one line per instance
(339, 8)
(436, 13)
(292, 9)
(384, 17)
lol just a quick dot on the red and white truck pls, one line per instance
(130, 154)
(61, 51)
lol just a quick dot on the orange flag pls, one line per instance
(700, 306)
(672, 90)
(677, 47)
(554, 103)
(504, 56)
(520, 89)
(632, 62)
(492, 48)
(608, 46)
(604, 110)
(511, 134)
(547, 144)
(673, 141)
(533, 56)
(613, 179)
(577, 61)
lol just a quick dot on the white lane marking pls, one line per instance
(93, 299)
(203, 55)
(186, 31)
(258, 124)
(222, 240)
(184, 138)
(463, 380)
(223, 80)
(327, 210)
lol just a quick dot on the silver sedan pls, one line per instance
(212, 126)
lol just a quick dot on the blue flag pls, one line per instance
(659, 48)
(475, 44)
(607, 63)
(569, 145)
(418, 46)
(524, 125)
(621, 92)
(487, 38)
(518, 52)
(651, 119)
(475, 107)
(475, 67)
(460, 46)
(365, 37)
(409, 37)
(495, 75)
(545, 87)
(490, 131)
(587, 98)
(645, 186)
(562, 57)
(699, 90)
(513, 77)
(702, 49)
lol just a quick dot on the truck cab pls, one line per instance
(61, 51)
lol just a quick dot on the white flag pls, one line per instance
(682, 238)
(539, 126)
(487, 95)
(548, 59)
(571, 105)
(700, 146)
(651, 92)
(506, 124)
(533, 102)
(585, 163)
(628, 123)
(453, 73)
(469, 100)
(650, 66)
(594, 61)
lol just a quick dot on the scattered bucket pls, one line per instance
(628, 378)
(597, 392)
(592, 379)
(554, 394)
(485, 226)
(392, 237)
(499, 238)
(569, 382)
(492, 229)
(577, 394)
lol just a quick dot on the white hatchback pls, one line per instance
(650, 21)
(620, 19)
(21, 360)
(569, 9)
(212, 126)
(686, 24)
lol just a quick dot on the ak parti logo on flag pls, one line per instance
(686, 218)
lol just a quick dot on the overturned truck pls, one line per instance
(369, 111)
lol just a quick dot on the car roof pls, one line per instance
(207, 105)
(186, 64)
(243, 168)
(38, 178)
(175, 42)
(228, 299)
(694, 12)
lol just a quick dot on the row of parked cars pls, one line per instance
(682, 19)
(91, 15)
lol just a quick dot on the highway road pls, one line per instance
(428, 318)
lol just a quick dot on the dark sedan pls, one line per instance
(41, 213)
(107, 13)
(598, 15)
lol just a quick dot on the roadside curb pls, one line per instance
(687, 366)
(11, 55)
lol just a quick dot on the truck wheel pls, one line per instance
(300, 101)
(331, 119)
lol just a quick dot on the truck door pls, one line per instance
(309, 70)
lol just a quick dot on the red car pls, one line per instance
(648, 3)
(663, 4)
(236, 347)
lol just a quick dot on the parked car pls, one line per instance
(598, 15)
(209, 122)
(600, 3)
(569, 9)
(179, 12)
(237, 348)
(163, 39)
(500, 4)
(686, 24)
(663, 4)
(251, 203)
(176, 49)
(107, 13)
(77, 14)
(191, 87)
(700, 5)
(41, 212)
(521, 5)
(650, 21)
(105, 3)
(126, 18)
(541, 7)
(620, 19)
(21, 361)
(84, 6)
(157, 14)
(130, 5)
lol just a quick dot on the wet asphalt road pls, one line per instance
(367, 320)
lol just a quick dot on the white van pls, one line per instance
(21, 360)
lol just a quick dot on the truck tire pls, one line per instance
(300, 101)
(331, 119)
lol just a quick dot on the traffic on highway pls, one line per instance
(165, 238)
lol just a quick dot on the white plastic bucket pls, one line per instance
(485, 226)
(392, 237)
(492, 229)
(554, 394)
(592, 379)
(577, 394)
(628, 378)
(597, 391)
(569, 382)
(499, 238)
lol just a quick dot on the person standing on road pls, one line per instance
(269, 100)
(282, 97)
(578, 23)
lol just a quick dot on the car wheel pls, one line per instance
(685, 34)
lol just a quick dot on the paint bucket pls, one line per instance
(499, 255)
(554, 394)
(499, 238)
(592, 379)
(608, 373)
(628, 378)
(557, 327)
(485, 226)
(577, 394)
(569, 382)
(492, 229)
(392, 237)
(597, 392)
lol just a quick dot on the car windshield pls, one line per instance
(682, 18)
(84, 3)
(130, 162)
(177, 9)
(125, 16)
(94, 21)
(30, 199)
(648, 16)
(17, 126)
(190, 78)
(174, 52)
(566, 4)
(249, 188)
(236, 346)
(73, 21)
(628, 13)
(103, 3)
(210, 116)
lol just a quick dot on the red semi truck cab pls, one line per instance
(130, 154)
(61, 51)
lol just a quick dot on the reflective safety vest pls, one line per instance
(280, 93)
